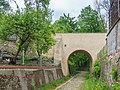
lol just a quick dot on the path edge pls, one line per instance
(65, 82)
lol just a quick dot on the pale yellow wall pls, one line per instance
(90, 42)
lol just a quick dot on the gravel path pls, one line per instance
(73, 83)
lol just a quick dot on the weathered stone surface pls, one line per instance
(23, 79)
(106, 67)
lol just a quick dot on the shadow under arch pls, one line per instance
(86, 53)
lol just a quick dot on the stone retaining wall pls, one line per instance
(24, 79)
(107, 64)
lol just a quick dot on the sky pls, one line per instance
(69, 6)
(64, 6)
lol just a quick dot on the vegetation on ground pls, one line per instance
(93, 83)
(116, 85)
(97, 69)
(114, 73)
(116, 79)
(53, 84)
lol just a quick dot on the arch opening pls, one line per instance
(79, 60)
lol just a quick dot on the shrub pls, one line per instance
(26, 59)
(116, 86)
(114, 73)
(92, 83)
(97, 69)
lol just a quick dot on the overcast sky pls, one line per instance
(64, 6)
(69, 6)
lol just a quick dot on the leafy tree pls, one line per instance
(65, 24)
(31, 26)
(89, 21)
(4, 6)
(103, 6)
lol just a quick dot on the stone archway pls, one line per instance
(67, 43)
(64, 62)
(90, 61)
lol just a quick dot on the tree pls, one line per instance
(103, 6)
(65, 24)
(31, 26)
(89, 21)
(4, 6)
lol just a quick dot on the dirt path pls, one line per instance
(73, 83)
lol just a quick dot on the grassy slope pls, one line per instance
(52, 85)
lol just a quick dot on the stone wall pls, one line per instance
(24, 79)
(107, 63)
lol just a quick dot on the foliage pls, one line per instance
(90, 21)
(92, 83)
(102, 53)
(34, 87)
(26, 59)
(76, 61)
(4, 6)
(103, 6)
(114, 73)
(32, 26)
(47, 60)
(53, 84)
(116, 85)
(65, 24)
(97, 69)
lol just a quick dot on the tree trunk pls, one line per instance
(15, 58)
(26, 47)
(18, 51)
(20, 46)
(39, 57)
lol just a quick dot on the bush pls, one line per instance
(26, 59)
(97, 69)
(114, 73)
(116, 86)
(92, 83)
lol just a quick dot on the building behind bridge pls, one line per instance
(113, 36)
(110, 62)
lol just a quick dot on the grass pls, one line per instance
(92, 83)
(53, 84)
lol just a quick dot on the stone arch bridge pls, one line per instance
(67, 43)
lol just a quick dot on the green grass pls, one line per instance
(53, 84)
(92, 83)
